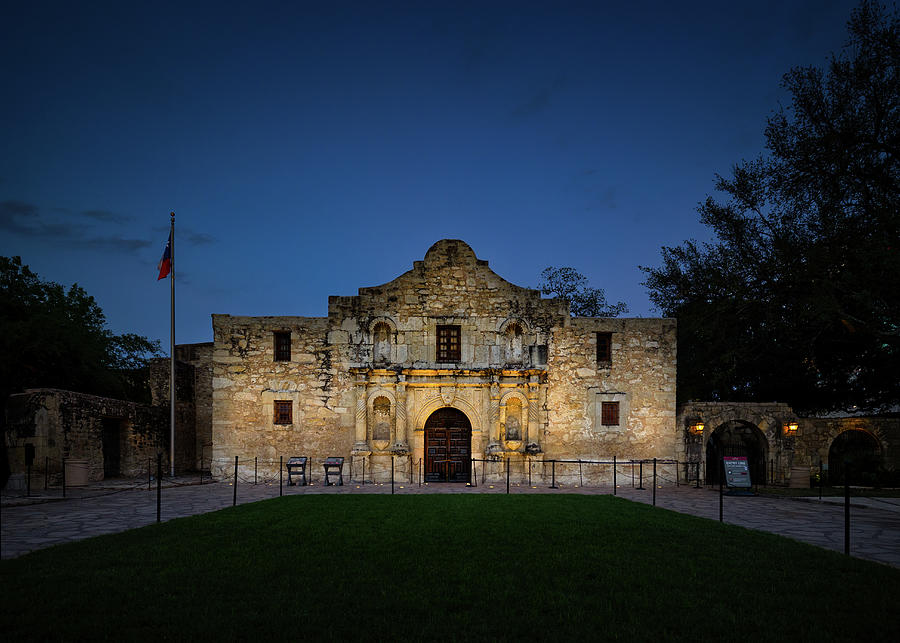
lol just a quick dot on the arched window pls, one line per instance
(381, 339)
(381, 419)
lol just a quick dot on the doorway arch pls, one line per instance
(448, 446)
(862, 453)
(736, 439)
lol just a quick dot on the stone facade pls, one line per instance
(529, 381)
(116, 438)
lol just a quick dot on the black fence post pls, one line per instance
(846, 507)
(614, 475)
(281, 475)
(420, 472)
(474, 473)
(392, 475)
(64, 477)
(821, 477)
(580, 474)
(234, 499)
(529, 472)
(677, 474)
(654, 482)
(553, 481)
(721, 492)
(255, 468)
(158, 487)
(46, 472)
(28, 480)
(641, 476)
(507, 476)
(698, 475)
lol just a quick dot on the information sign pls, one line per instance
(737, 472)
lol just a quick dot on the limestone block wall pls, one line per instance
(640, 376)
(816, 435)
(63, 424)
(246, 382)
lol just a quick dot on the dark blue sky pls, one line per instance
(309, 149)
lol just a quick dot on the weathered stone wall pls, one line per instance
(363, 381)
(189, 403)
(62, 424)
(788, 457)
(816, 436)
(247, 381)
(640, 376)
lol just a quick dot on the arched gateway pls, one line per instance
(448, 446)
(740, 439)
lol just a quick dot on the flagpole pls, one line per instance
(172, 347)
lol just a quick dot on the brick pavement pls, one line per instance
(47, 519)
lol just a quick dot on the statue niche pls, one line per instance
(381, 421)
(381, 340)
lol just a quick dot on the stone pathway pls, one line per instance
(46, 519)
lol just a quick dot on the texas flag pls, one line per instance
(165, 264)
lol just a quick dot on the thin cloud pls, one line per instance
(25, 220)
(105, 215)
(184, 234)
(540, 101)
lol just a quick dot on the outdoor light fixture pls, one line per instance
(790, 428)
(697, 428)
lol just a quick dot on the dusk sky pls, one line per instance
(309, 149)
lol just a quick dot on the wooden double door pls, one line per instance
(448, 446)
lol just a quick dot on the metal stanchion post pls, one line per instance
(846, 507)
(553, 482)
(255, 468)
(507, 475)
(580, 474)
(64, 477)
(821, 477)
(46, 472)
(698, 475)
(158, 487)
(392, 475)
(641, 476)
(614, 475)
(654, 482)
(234, 499)
(721, 494)
(281, 475)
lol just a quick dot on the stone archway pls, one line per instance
(736, 438)
(448, 446)
(861, 453)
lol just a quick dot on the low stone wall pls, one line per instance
(68, 425)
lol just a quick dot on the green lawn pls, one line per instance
(447, 567)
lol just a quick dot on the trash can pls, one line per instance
(76, 473)
(799, 478)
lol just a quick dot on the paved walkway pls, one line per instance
(46, 519)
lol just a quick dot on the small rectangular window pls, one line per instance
(604, 348)
(284, 412)
(282, 346)
(609, 413)
(448, 344)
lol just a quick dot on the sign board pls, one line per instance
(737, 472)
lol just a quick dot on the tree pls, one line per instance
(797, 299)
(584, 301)
(52, 337)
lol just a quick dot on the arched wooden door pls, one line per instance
(448, 446)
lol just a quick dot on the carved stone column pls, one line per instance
(361, 445)
(494, 445)
(400, 444)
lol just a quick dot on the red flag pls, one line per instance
(165, 264)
